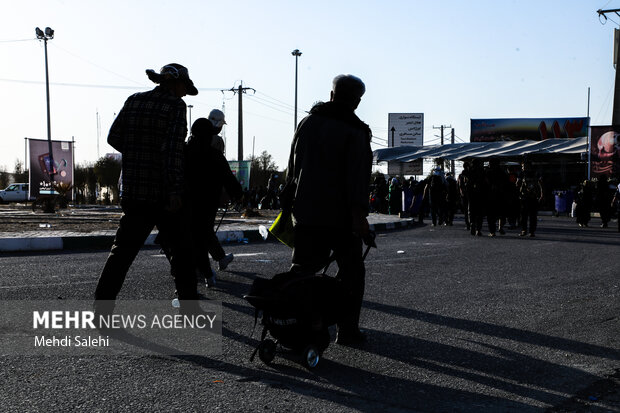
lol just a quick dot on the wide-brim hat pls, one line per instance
(173, 71)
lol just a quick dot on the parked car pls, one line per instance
(14, 193)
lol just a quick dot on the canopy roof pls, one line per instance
(462, 151)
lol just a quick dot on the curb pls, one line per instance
(103, 242)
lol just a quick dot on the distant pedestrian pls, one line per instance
(497, 183)
(477, 190)
(395, 197)
(530, 196)
(603, 199)
(452, 197)
(462, 188)
(436, 192)
(149, 132)
(584, 200)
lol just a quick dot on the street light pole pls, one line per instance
(190, 115)
(45, 36)
(295, 53)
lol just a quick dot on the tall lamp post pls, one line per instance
(190, 115)
(45, 36)
(296, 53)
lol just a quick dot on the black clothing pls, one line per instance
(135, 226)
(149, 131)
(207, 173)
(530, 194)
(329, 167)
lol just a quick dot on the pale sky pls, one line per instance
(451, 60)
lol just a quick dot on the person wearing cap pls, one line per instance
(150, 132)
(332, 142)
(218, 121)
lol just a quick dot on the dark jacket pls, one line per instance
(206, 172)
(330, 165)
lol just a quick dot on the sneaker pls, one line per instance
(492, 234)
(211, 280)
(223, 263)
(501, 231)
(532, 235)
(523, 233)
(478, 233)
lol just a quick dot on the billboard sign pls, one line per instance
(405, 168)
(408, 129)
(604, 151)
(241, 170)
(41, 166)
(538, 129)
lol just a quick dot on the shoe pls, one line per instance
(478, 233)
(350, 338)
(523, 233)
(501, 231)
(492, 234)
(532, 235)
(211, 280)
(223, 263)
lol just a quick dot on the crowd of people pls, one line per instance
(176, 185)
(504, 198)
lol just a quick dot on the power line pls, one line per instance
(85, 85)
(17, 40)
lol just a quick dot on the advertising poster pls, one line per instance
(408, 129)
(41, 166)
(604, 151)
(241, 170)
(537, 129)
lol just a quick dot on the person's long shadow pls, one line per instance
(493, 330)
(498, 368)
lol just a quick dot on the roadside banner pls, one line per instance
(41, 166)
(604, 151)
(536, 129)
(241, 170)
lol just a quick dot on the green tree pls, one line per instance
(20, 173)
(261, 168)
(84, 182)
(108, 170)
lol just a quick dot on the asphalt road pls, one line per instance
(455, 323)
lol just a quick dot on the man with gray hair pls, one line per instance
(329, 168)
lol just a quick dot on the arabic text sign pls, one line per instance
(408, 129)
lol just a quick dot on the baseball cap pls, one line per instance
(217, 118)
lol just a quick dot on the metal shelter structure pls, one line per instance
(472, 150)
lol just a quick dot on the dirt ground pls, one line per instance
(19, 218)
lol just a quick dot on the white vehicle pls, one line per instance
(14, 193)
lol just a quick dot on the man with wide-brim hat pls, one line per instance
(150, 132)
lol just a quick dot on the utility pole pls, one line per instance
(241, 90)
(452, 169)
(442, 127)
(615, 118)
